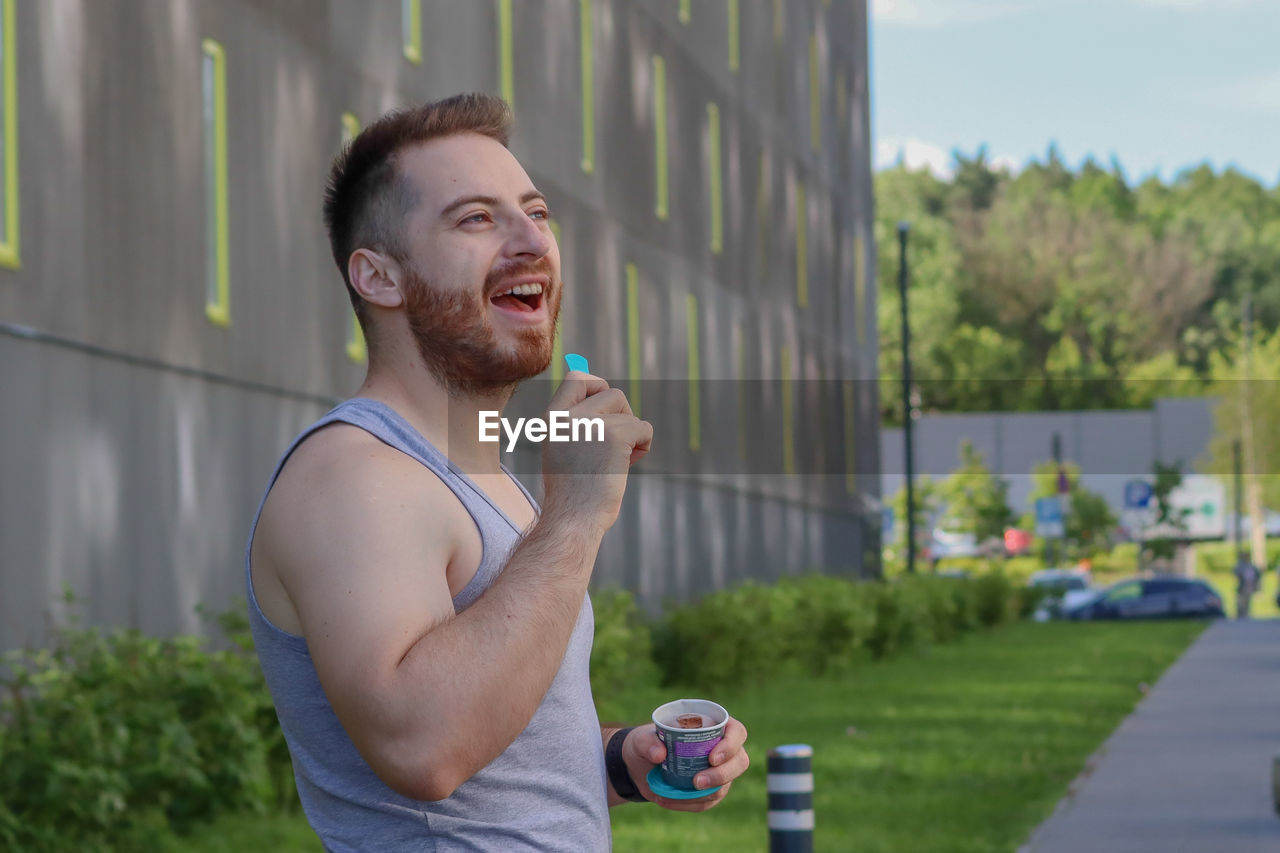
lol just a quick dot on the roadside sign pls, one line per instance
(1199, 501)
(1049, 518)
(1137, 494)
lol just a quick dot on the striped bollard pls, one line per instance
(790, 785)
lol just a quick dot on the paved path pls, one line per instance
(1190, 770)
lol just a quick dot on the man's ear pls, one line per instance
(376, 277)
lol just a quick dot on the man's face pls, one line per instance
(480, 229)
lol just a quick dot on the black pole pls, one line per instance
(790, 790)
(903, 228)
(1060, 547)
(1235, 528)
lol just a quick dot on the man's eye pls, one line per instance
(540, 213)
(476, 217)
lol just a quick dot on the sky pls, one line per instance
(1160, 85)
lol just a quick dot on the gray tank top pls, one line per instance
(547, 791)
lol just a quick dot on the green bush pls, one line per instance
(835, 618)
(747, 633)
(901, 616)
(109, 735)
(622, 652)
(820, 624)
(994, 598)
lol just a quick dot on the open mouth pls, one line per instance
(521, 298)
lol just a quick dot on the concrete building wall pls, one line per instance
(1111, 447)
(137, 435)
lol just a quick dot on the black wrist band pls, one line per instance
(616, 768)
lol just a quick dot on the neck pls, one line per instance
(448, 419)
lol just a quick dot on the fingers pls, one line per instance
(607, 401)
(733, 765)
(644, 740)
(735, 735)
(575, 388)
(643, 442)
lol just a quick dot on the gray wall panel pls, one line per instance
(1111, 447)
(138, 436)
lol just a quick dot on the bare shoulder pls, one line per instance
(351, 526)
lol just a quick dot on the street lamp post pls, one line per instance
(903, 228)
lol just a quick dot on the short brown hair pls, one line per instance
(366, 200)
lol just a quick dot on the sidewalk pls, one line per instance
(1190, 769)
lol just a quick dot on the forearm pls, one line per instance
(494, 661)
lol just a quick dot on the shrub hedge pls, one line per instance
(108, 739)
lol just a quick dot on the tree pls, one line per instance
(1263, 390)
(927, 501)
(1061, 289)
(975, 500)
(1167, 516)
(1088, 520)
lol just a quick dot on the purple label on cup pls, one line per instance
(693, 750)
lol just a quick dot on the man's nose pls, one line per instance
(529, 239)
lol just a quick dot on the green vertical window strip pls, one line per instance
(506, 53)
(735, 41)
(779, 22)
(802, 247)
(717, 189)
(557, 346)
(859, 291)
(686, 11)
(217, 276)
(695, 392)
(357, 349)
(788, 416)
(411, 28)
(633, 337)
(815, 97)
(10, 254)
(588, 89)
(740, 366)
(661, 189)
(850, 468)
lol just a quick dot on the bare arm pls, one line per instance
(429, 697)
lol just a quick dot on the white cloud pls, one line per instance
(937, 13)
(915, 154)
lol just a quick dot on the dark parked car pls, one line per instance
(1158, 598)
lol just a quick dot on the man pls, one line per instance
(423, 627)
(1247, 577)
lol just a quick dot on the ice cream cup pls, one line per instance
(688, 749)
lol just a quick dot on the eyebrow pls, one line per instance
(487, 200)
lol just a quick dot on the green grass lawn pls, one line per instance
(964, 747)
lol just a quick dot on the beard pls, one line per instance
(458, 343)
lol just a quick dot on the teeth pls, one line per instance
(523, 290)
